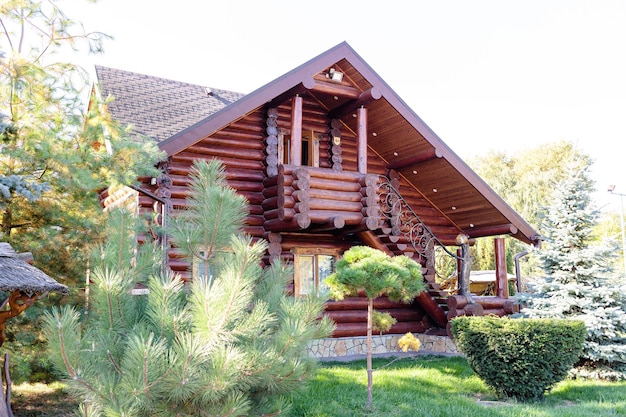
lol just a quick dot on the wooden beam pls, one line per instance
(416, 159)
(300, 88)
(502, 229)
(365, 98)
(334, 89)
(370, 239)
(296, 131)
(361, 140)
(502, 282)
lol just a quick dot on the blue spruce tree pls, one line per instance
(578, 283)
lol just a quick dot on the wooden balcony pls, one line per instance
(302, 197)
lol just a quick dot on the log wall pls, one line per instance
(291, 207)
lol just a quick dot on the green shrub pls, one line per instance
(519, 358)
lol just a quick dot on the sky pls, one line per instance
(483, 74)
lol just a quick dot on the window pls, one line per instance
(310, 153)
(311, 267)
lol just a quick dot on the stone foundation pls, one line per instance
(386, 344)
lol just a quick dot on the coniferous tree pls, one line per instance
(55, 155)
(376, 274)
(577, 282)
(231, 344)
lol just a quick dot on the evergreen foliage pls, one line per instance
(55, 154)
(368, 270)
(519, 358)
(577, 282)
(233, 344)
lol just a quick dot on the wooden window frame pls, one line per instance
(314, 252)
(310, 142)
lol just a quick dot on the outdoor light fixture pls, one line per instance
(335, 76)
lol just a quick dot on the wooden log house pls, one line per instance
(329, 157)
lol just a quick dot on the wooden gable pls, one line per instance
(311, 152)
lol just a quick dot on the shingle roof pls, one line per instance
(16, 274)
(167, 106)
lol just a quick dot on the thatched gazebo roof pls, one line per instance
(17, 274)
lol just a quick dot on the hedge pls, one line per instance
(519, 358)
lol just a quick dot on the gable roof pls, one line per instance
(166, 106)
(398, 135)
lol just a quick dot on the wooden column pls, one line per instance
(361, 140)
(296, 131)
(502, 282)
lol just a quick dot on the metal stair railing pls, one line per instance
(405, 222)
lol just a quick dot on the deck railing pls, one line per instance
(405, 222)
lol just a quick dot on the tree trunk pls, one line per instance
(370, 382)
(5, 399)
(7, 223)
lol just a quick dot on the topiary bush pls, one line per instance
(519, 358)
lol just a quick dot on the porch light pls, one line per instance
(335, 76)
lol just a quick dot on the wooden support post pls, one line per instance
(361, 140)
(296, 131)
(502, 282)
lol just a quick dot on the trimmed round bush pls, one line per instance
(519, 358)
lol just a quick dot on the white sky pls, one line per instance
(502, 75)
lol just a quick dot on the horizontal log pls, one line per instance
(244, 142)
(279, 201)
(191, 157)
(334, 195)
(335, 205)
(254, 220)
(299, 221)
(325, 184)
(255, 231)
(322, 216)
(324, 173)
(282, 214)
(360, 329)
(227, 152)
(360, 303)
(332, 224)
(487, 301)
(360, 316)
(277, 190)
(257, 136)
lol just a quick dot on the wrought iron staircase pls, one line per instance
(404, 233)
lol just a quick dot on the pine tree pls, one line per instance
(369, 270)
(231, 344)
(53, 157)
(578, 283)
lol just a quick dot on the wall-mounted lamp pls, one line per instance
(335, 76)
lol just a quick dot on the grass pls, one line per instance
(429, 386)
(42, 400)
(424, 386)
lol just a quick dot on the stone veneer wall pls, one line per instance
(386, 344)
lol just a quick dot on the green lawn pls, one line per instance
(425, 386)
(429, 386)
